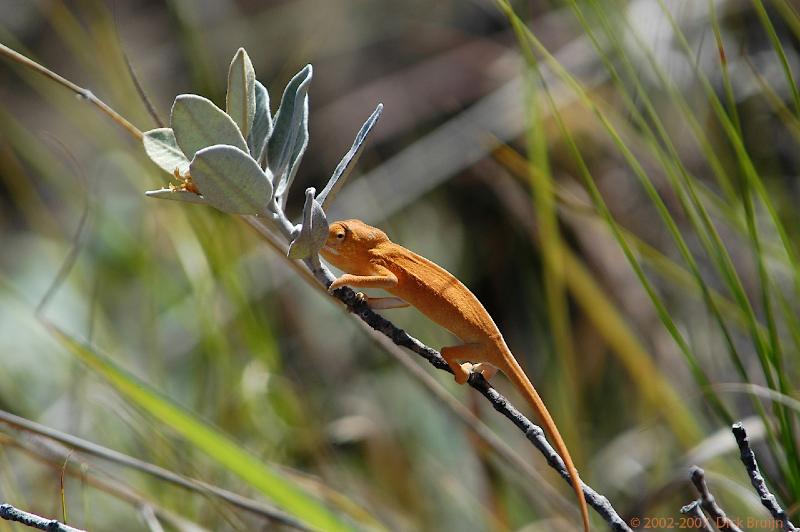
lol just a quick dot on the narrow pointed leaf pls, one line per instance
(262, 125)
(300, 144)
(177, 195)
(204, 436)
(198, 123)
(289, 122)
(313, 232)
(162, 148)
(348, 162)
(240, 100)
(231, 180)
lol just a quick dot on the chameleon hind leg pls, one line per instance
(456, 353)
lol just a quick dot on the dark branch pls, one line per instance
(709, 503)
(694, 510)
(533, 432)
(767, 498)
(9, 513)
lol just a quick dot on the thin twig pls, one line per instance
(117, 457)
(51, 454)
(75, 247)
(695, 510)
(768, 500)
(86, 94)
(709, 502)
(150, 518)
(9, 513)
(151, 110)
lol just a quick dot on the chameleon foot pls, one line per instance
(484, 368)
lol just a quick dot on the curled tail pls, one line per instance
(515, 373)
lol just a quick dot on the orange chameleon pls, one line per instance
(371, 260)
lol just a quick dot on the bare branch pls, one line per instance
(694, 510)
(767, 498)
(9, 513)
(709, 503)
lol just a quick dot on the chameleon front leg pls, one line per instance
(382, 278)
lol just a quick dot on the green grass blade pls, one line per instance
(685, 188)
(776, 44)
(752, 180)
(210, 440)
(636, 167)
(553, 268)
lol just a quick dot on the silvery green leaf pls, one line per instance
(300, 144)
(198, 123)
(231, 180)
(262, 125)
(313, 232)
(240, 100)
(348, 162)
(178, 195)
(291, 119)
(161, 147)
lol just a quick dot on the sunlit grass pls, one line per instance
(747, 207)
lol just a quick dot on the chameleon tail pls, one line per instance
(515, 373)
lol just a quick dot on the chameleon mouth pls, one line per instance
(329, 249)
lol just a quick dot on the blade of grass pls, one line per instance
(684, 188)
(753, 180)
(767, 352)
(588, 179)
(675, 172)
(763, 17)
(553, 276)
(667, 268)
(657, 392)
(723, 63)
(714, 246)
(630, 351)
(210, 440)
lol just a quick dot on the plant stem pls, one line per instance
(86, 94)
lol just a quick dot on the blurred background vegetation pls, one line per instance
(616, 180)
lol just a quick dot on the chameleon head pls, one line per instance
(349, 243)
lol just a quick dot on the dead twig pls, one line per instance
(709, 503)
(9, 513)
(699, 520)
(768, 500)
